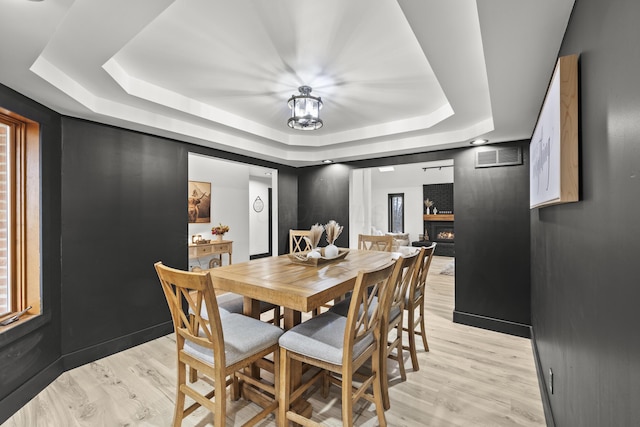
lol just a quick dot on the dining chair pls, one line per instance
(375, 243)
(400, 282)
(338, 346)
(414, 304)
(218, 346)
(297, 241)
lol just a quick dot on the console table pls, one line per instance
(211, 248)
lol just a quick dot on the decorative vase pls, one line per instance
(331, 251)
(428, 211)
(219, 237)
(314, 253)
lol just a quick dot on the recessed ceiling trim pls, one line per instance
(463, 45)
(161, 96)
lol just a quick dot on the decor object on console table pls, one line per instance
(219, 231)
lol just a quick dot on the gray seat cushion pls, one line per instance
(233, 303)
(205, 315)
(342, 308)
(322, 337)
(243, 336)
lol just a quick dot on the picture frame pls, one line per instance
(199, 202)
(553, 151)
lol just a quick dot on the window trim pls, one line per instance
(23, 163)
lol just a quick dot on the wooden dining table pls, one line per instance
(295, 287)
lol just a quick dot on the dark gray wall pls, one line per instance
(287, 206)
(492, 243)
(29, 353)
(112, 205)
(492, 231)
(585, 255)
(323, 195)
(122, 210)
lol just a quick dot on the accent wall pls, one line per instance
(584, 255)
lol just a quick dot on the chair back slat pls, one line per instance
(187, 293)
(297, 241)
(401, 280)
(419, 279)
(361, 321)
(375, 243)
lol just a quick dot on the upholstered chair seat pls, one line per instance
(322, 337)
(243, 336)
(233, 303)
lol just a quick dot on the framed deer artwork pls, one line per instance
(199, 202)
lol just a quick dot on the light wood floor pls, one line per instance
(471, 377)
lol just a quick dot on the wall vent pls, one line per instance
(493, 157)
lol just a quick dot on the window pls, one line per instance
(19, 215)
(396, 213)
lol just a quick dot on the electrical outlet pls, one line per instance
(550, 380)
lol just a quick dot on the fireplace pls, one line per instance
(440, 231)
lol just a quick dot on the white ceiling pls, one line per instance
(417, 174)
(396, 76)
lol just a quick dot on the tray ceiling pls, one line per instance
(396, 77)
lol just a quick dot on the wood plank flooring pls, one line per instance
(471, 377)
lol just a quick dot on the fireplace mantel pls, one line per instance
(438, 217)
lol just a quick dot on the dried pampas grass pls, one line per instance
(315, 233)
(333, 230)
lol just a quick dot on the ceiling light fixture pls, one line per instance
(386, 169)
(327, 161)
(305, 110)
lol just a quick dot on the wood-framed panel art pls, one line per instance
(553, 169)
(199, 202)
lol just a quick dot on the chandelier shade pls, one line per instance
(305, 110)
